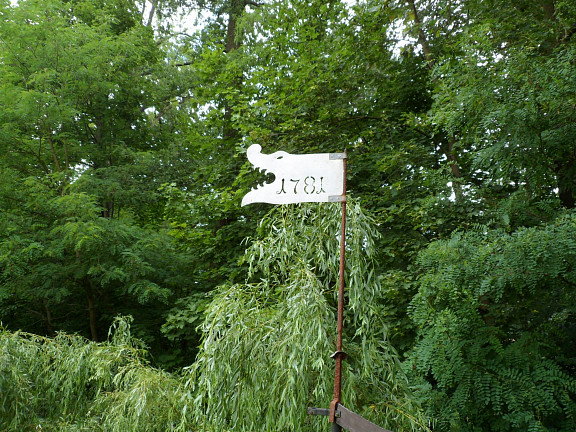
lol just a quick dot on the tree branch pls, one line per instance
(421, 35)
(253, 3)
(151, 14)
(568, 34)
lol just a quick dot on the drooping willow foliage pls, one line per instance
(265, 351)
(67, 383)
(264, 357)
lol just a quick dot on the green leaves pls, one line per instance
(460, 140)
(56, 250)
(68, 383)
(494, 310)
(265, 344)
(81, 157)
(73, 83)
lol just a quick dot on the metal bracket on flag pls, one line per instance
(333, 411)
(337, 198)
(337, 156)
(318, 411)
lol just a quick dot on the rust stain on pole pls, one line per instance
(339, 355)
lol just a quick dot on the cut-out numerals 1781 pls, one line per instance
(308, 186)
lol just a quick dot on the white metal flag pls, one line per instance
(297, 178)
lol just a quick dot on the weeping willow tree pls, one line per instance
(266, 343)
(67, 383)
(264, 357)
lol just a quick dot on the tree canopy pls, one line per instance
(123, 137)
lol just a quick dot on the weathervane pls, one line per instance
(298, 178)
(319, 177)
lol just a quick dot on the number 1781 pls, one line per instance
(308, 186)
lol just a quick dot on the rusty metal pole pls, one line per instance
(340, 355)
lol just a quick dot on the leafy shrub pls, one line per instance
(497, 314)
(67, 383)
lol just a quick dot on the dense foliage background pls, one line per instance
(123, 131)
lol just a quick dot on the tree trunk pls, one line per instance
(567, 198)
(108, 210)
(421, 35)
(92, 316)
(454, 168)
(549, 9)
(232, 42)
(48, 318)
(565, 171)
(229, 132)
(151, 14)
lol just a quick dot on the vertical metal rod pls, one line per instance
(339, 355)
